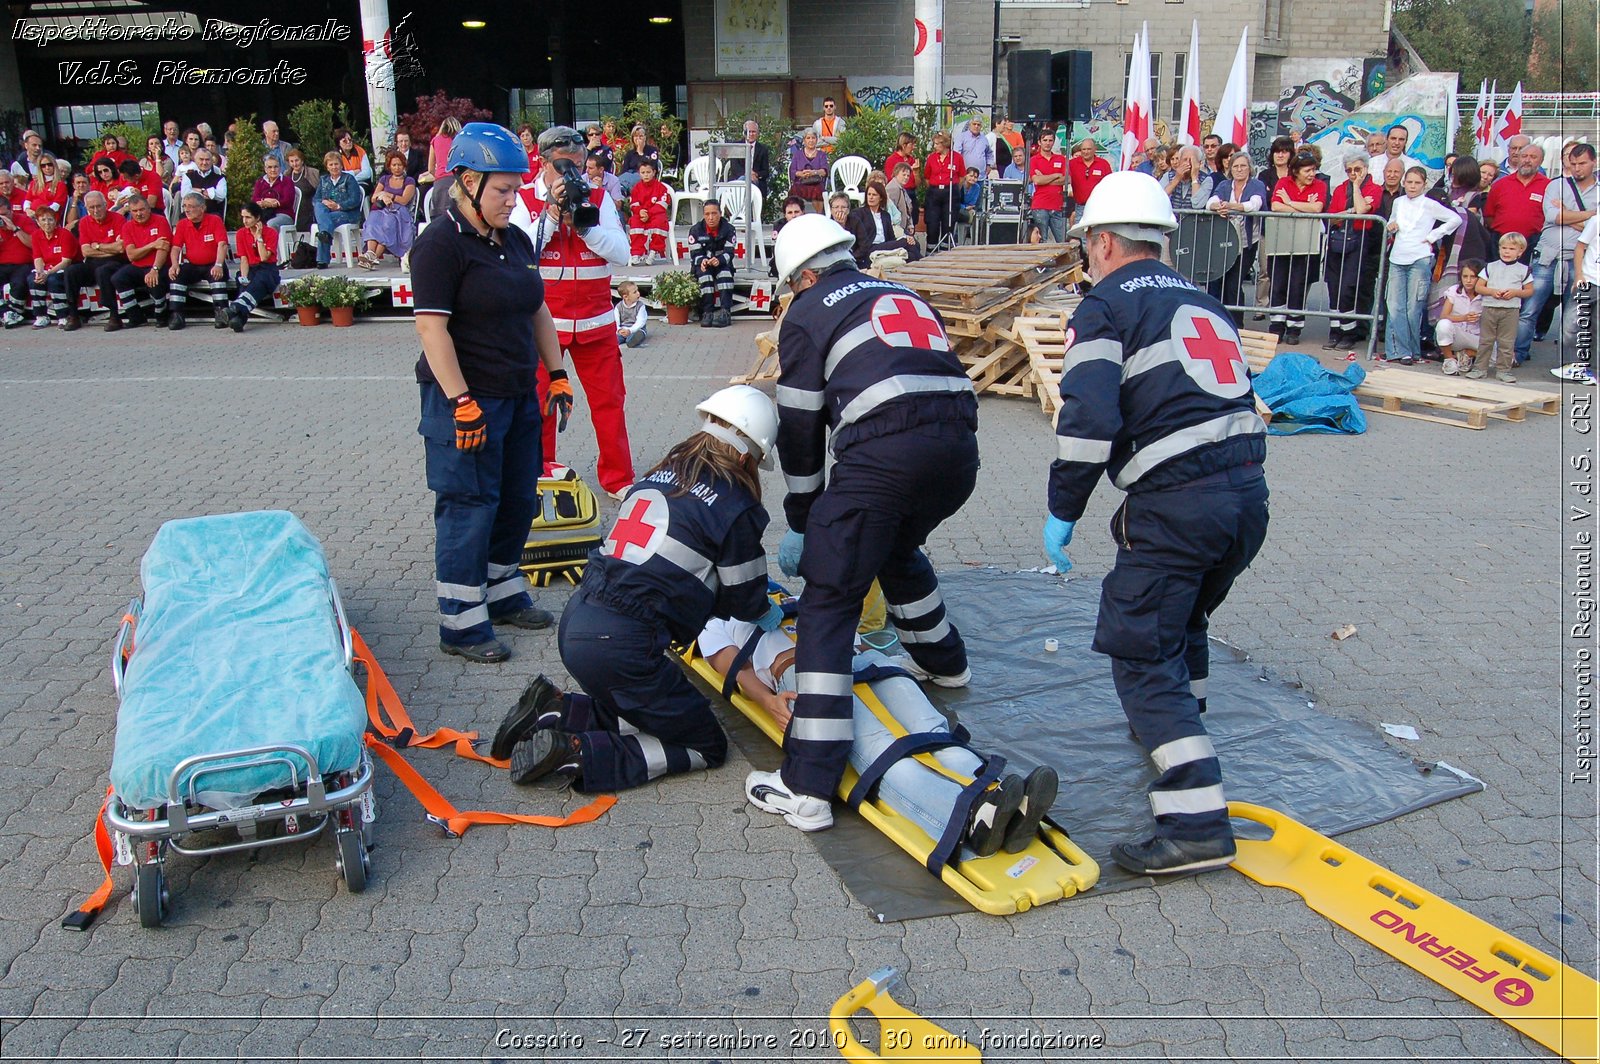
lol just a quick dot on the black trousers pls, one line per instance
(1179, 550)
(1292, 276)
(1230, 287)
(940, 213)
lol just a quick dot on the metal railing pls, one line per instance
(1272, 276)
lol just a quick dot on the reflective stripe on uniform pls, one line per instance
(578, 325)
(893, 388)
(802, 485)
(507, 588)
(1082, 449)
(1169, 756)
(1157, 354)
(465, 619)
(846, 344)
(932, 635)
(500, 572)
(838, 684)
(1192, 801)
(822, 730)
(1238, 423)
(688, 559)
(575, 273)
(458, 592)
(1198, 687)
(1090, 351)
(738, 574)
(912, 610)
(799, 398)
(655, 755)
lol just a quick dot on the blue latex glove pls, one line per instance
(789, 552)
(770, 620)
(1057, 534)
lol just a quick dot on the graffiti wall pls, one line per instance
(877, 91)
(1422, 103)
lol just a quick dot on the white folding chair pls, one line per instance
(697, 176)
(289, 235)
(696, 202)
(745, 214)
(849, 175)
(347, 237)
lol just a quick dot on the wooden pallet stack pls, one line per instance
(1428, 395)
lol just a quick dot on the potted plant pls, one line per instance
(304, 294)
(343, 297)
(676, 291)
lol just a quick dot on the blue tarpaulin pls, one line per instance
(1305, 397)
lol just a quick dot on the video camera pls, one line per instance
(585, 215)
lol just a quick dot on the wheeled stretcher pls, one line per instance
(1051, 868)
(240, 724)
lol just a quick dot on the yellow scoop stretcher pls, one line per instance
(1053, 867)
(1550, 1002)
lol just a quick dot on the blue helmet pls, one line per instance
(487, 148)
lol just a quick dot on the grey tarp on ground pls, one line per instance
(1061, 709)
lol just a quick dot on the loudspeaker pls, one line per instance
(998, 231)
(1069, 85)
(1028, 85)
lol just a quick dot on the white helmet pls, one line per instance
(805, 237)
(747, 410)
(1130, 203)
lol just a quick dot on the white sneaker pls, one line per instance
(635, 260)
(961, 679)
(41, 323)
(621, 493)
(766, 790)
(1577, 372)
(11, 319)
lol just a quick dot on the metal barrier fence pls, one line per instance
(1265, 263)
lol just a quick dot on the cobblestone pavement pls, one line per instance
(683, 915)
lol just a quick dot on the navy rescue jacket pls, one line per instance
(1154, 390)
(682, 559)
(861, 358)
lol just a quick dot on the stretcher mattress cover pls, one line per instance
(237, 647)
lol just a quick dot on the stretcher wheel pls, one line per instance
(352, 860)
(150, 894)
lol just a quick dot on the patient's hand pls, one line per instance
(778, 705)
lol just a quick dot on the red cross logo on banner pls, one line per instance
(760, 297)
(683, 249)
(640, 528)
(738, 250)
(401, 294)
(906, 321)
(1208, 350)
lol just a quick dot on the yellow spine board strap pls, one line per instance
(902, 1034)
(1550, 1002)
(1053, 867)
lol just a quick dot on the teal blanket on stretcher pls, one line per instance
(237, 647)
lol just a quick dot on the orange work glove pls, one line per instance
(472, 431)
(559, 398)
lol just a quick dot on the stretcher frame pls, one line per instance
(1053, 867)
(143, 837)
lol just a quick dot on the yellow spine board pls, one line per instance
(1053, 867)
(1546, 1000)
(902, 1034)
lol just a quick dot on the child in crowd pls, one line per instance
(1457, 331)
(631, 315)
(650, 200)
(1504, 285)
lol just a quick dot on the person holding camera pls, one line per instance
(485, 326)
(579, 237)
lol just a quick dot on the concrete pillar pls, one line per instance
(927, 64)
(376, 50)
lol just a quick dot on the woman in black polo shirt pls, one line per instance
(480, 313)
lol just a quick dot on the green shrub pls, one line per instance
(304, 291)
(313, 123)
(675, 288)
(244, 165)
(339, 291)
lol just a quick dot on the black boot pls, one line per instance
(175, 320)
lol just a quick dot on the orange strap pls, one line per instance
(85, 914)
(390, 721)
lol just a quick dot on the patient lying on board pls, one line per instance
(1006, 816)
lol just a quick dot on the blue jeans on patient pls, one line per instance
(1544, 284)
(1408, 287)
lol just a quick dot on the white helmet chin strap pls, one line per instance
(726, 435)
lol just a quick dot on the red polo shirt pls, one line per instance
(1514, 207)
(135, 235)
(894, 160)
(1085, 176)
(106, 232)
(1049, 197)
(1314, 191)
(946, 169)
(62, 246)
(13, 252)
(245, 243)
(200, 243)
